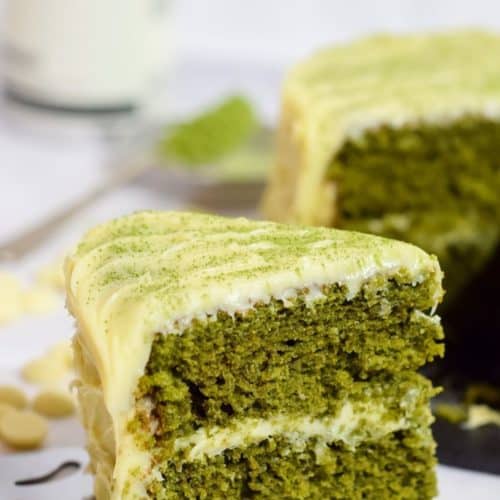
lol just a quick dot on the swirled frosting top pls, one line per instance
(341, 91)
(155, 271)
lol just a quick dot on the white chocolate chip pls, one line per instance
(54, 404)
(23, 430)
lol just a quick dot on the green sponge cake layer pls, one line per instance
(423, 167)
(225, 358)
(313, 355)
(375, 469)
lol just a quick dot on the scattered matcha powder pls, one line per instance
(211, 135)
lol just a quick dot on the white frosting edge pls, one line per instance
(356, 129)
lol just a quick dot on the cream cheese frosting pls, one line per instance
(342, 91)
(353, 424)
(155, 271)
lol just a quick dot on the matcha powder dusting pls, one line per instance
(210, 136)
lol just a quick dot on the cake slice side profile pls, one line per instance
(226, 358)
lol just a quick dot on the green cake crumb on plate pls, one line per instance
(451, 412)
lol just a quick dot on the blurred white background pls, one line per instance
(282, 31)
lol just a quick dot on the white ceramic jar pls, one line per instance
(85, 54)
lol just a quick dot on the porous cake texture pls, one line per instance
(227, 358)
(400, 136)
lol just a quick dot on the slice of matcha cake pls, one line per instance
(400, 136)
(227, 358)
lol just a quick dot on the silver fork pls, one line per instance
(141, 147)
(34, 236)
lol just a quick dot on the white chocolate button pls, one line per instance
(23, 430)
(54, 404)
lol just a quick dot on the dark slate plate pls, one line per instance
(472, 328)
(477, 449)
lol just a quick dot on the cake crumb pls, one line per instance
(453, 413)
(480, 415)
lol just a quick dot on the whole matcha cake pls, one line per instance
(400, 136)
(226, 358)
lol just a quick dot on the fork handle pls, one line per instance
(34, 236)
